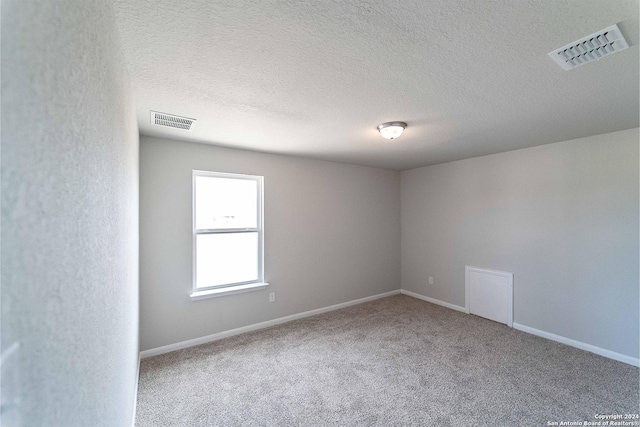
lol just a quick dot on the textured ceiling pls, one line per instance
(315, 78)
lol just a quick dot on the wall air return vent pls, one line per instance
(590, 48)
(169, 120)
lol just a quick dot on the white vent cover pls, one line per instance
(590, 48)
(169, 120)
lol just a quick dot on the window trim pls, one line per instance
(228, 288)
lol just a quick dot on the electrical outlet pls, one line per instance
(272, 297)
(430, 280)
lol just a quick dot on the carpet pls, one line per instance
(397, 361)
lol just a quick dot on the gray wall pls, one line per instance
(69, 216)
(332, 234)
(562, 217)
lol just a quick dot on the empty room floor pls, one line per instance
(393, 361)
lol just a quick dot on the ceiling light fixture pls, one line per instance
(391, 130)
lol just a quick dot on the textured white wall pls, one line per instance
(69, 216)
(332, 234)
(562, 217)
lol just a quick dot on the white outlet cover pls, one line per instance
(430, 280)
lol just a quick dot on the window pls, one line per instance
(227, 234)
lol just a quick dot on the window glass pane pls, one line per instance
(226, 258)
(226, 203)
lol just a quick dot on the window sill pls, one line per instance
(222, 292)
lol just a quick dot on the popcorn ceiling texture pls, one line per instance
(69, 216)
(315, 78)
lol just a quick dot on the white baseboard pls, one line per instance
(434, 301)
(135, 393)
(578, 344)
(225, 334)
(553, 337)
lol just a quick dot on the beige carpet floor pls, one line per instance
(394, 361)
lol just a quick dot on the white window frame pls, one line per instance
(229, 288)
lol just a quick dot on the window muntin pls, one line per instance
(227, 230)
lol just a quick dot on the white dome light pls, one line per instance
(391, 130)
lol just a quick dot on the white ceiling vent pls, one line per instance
(169, 120)
(590, 48)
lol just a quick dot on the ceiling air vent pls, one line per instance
(169, 120)
(590, 48)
